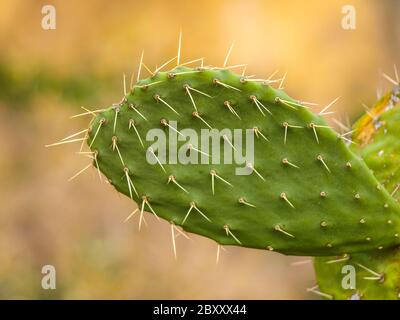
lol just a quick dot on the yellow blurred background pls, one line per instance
(77, 226)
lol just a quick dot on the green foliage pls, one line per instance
(307, 193)
(19, 87)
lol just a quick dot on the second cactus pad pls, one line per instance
(378, 273)
(180, 145)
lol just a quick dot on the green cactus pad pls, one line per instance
(306, 194)
(377, 134)
(377, 275)
(378, 139)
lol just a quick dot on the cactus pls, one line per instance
(303, 193)
(378, 273)
(233, 159)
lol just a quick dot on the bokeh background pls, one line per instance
(77, 226)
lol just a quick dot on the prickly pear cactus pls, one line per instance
(298, 190)
(377, 135)
(377, 273)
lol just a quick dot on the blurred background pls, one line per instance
(77, 226)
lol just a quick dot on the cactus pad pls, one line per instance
(378, 273)
(303, 193)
